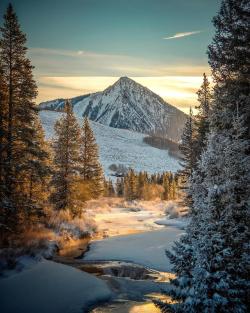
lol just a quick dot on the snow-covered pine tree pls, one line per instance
(201, 119)
(187, 148)
(220, 281)
(91, 169)
(229, 59)
(66, 161)
(20, 123)
(217, 280)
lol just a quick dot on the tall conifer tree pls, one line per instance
(20, 120)
(217, 239)
(91, 169)
(66, 161)
(187, 147)
(202, 117)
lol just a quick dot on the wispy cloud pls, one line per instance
(184, 34)
(53, 62)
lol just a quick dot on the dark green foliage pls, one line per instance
(229, 58)
(130, 185)
(91, 169)
(201, 119)
(144, 186)
(187, 147)
(163, 143)
(23, 156)
(66, 161)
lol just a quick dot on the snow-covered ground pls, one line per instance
(120, 146)
(180, 222)
(48, 287)
(115, 216)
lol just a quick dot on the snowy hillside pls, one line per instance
(127, 105)
(120, 146)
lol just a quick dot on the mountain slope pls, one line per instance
(128, 105)
(120, 146)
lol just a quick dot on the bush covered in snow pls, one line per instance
(174, 209)
(64, 225)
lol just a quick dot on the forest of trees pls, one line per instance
(144, 186)
(211, 260)
(162, 142)
(35, 175)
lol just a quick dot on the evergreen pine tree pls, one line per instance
(39, 170)
(19, 122)
(187, 147)
(130, 185)
(91, 170)
(166, 186)
(229, 61)
(216, 241)
(3, 112)
(140, 184)
(66, 162)
(202, 117)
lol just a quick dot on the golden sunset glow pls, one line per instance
(177, 90)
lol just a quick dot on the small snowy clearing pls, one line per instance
(48, 287)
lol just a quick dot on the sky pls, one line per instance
(82, 46)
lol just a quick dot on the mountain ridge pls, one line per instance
(128, 105)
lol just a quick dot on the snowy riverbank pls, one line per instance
(132, 234)
(49, 287)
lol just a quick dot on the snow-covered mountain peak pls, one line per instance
(128, 105)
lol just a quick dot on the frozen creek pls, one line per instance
(133, 286)
(133, 265)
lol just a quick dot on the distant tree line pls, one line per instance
(162, 142)
(143, 186)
